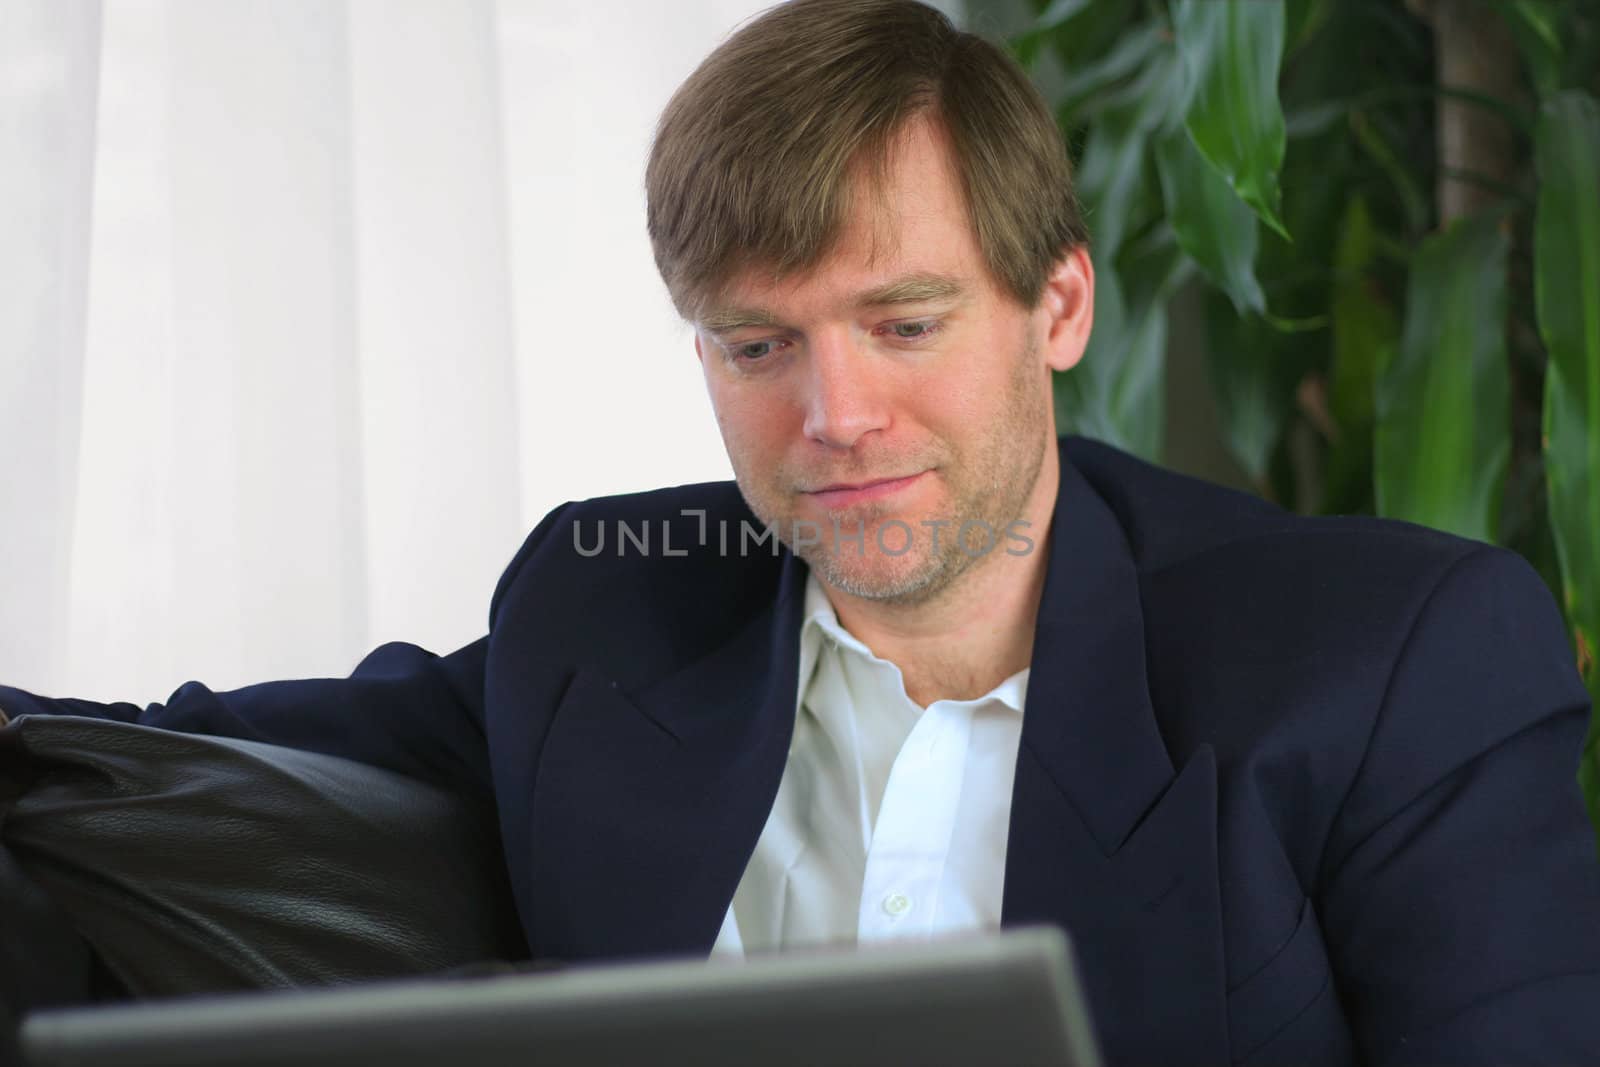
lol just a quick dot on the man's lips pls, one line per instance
(843, 494)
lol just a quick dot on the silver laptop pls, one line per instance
(1010, 997)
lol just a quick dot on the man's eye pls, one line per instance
(913, 331)
(754, 350)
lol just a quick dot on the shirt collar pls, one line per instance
(819, 623)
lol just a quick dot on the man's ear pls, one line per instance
(699, 353)
(1068, 309)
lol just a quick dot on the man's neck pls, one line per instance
(977, 632)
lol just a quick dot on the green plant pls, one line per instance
(1393, 213)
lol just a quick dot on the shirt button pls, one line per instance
(896, 904)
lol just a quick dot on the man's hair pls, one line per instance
(756, 156)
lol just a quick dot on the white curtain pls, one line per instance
(309, 309)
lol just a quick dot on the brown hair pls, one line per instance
(756, 154)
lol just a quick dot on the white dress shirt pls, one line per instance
(890, 821)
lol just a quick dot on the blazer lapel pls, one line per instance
(647, 807)
(1105, 840)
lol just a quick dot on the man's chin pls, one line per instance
(887, 579)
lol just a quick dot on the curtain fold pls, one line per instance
(48, 74)
(309, 309)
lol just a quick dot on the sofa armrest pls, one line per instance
(194, 864)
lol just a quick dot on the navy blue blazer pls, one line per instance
(1301, 790)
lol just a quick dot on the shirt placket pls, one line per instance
(911, 840)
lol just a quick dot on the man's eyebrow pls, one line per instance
(726, 320)
(912, 289)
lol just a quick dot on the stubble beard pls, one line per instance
(989, 492)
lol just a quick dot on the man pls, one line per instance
(1300, 789)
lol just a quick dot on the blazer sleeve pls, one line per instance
(402, 708)
(1460, 889)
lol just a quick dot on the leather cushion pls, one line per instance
(198, 864)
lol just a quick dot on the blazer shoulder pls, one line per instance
(1173, 520)
(1256, 619)
(638, 582)
(628, 528)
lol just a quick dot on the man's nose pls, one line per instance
(845, 400)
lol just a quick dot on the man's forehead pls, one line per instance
(907, 237)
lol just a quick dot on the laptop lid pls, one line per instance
(1011, 997)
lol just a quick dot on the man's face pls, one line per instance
(892, 388)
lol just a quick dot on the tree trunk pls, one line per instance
(1473, 51)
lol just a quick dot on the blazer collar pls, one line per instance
(647, 806)
(1088, 710)
(1105, 840)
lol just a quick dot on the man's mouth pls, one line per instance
(844, 494)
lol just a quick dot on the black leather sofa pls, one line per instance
(138, 863)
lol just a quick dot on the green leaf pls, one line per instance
(1076, 31)
(1213, 225)
(1365, 331)
(1304, 18)
(1111, 175)
(1536, 26)
(1115, 393)
(1058, 13)
(1253, 380)
(1289, 324)
(1231, 54)
(1121, 62)
(1443, 405)
(1315, 119)
(1364, 323)
(1567, 296)
(1152, 267)
(1407, 188)
(1154, 100)
(1108, 181)
(1026, 44)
